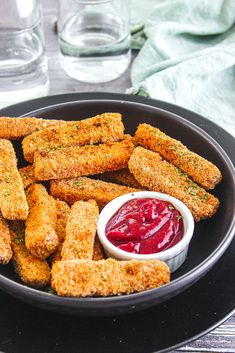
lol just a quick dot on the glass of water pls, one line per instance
(94, 38)
(23, 67)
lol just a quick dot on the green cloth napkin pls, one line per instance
(188, 55)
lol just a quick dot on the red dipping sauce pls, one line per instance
(145, 226)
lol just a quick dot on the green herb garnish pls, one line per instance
(192, 190)
(19, 240)
(75, 126)
(78, 182)
(204, 197)
(6, 193)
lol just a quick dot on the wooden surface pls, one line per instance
(222, 339)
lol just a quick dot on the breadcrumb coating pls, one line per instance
(198, 168)
(40, 235)
(122, 177)
(5, 242)
(56, 255)
(107, 277)
(13, 202)
(73, 162)
(62, 210)
(98, 253)
(27, 175)
(159, 175)
(80, 231)
(17, 128)
(72, 190)
(104, 128)
(31, 270)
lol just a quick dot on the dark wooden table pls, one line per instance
(222, 339)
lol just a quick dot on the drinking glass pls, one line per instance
(94, 38)
(23, 67)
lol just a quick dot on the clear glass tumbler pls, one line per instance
(94, 38)
(23, 66)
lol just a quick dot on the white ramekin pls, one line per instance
(174, 256)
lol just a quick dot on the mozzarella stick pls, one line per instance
(72, 190)
(17, 128)
(13, 202)
(62, 210)
(107, 277)
(27, 175)
(5, 242)
(198, 168)
(104, 128)
(122, 177)
(40, 235)
(98, 253)
(156, 174)
(77, 161)
(80, 231)
(32, 271)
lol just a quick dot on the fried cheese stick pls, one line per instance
(72, 190)
(123, 177)
(104, 128)
(33, 271)
(17, 128)
(62, 210)
(40, 235)
(5, 242)
(98, 253)
(80, 231)
(27, 175)
(159, 175)
(198, 168)
(13, 202)
(77, 161)
(107, 277)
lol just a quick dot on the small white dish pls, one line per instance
(174, 256)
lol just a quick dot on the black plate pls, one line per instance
(161, 328)
(211, 238)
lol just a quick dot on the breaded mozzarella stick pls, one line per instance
(27, 175)
(5, 242)
(80, 231)
(33, 271)
(17, 128)
(198, 168)
(13, 202)
(62, 210)
(123, 177)
(40, 235)
(152, 171)
(104, 128)
(72, 190)
(98, 253)
(77, 161)
(107, 277)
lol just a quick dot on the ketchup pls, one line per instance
(145, 226)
